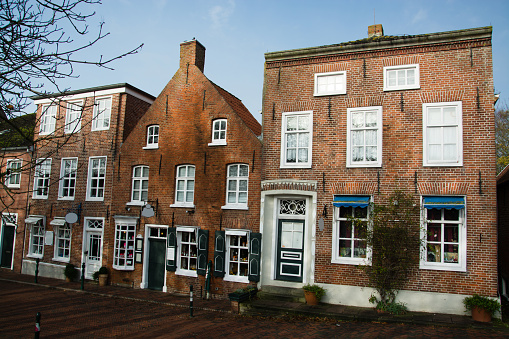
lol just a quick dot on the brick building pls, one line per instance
(503, 230)
(78, 136)
(187, 188)
(349, 124)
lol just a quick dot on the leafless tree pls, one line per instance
(502, 136)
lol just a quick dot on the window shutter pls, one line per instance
(203, 251)
(255, 246)
(171, 250)
(219, 254)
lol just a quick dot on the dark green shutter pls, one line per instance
(219, 254)
(203, 251)
(255, 246)
(171, 249)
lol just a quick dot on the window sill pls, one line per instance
(403, 88)
(122, 268)
(235, 278)
(151, 147)
(14, 186)
(136, 203)
(35, 256)
(235, 207)
(364, 165)
(187, 273)
(189, 205)
(66, 198)
(295, 166)
(99, 129)
(443, 164)
(217, 143)
(40, 197)
(94, 199)
(61, 260)
(352, 261)
(329, 94)
(442, 267)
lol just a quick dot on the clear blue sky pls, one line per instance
(237, 33)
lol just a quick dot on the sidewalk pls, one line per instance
(260, 307)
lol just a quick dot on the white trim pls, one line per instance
(146, 249)
(61, 179)
(85, 233)
(39, 164)
(459, 136)
(18, 173)
(89, 178)
(57, 221)
(379, 137)
(152, 145)
(180, 271)
(235, 207)
(283, 150)
(73, 126)
(43, 118)
(129, 222)
(94, 114)
(397, 87)
(219, 141)
(97, 94)
(342, 75)
(55, 244)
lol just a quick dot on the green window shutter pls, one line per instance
(255, 246)
(219, 254)
(203, 251)
(171, 250)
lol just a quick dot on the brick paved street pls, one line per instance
(71, 313)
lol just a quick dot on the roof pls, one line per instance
(503, 176)
(93, 89)
(17, 132)
(241, 110)
(382, 42)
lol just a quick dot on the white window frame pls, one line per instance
(65, 227)
(229, 248)
(180, 247)
(141, 179)
(13, 180)
(42, 176)
(284, 133)
(336, 259)
(461, 266)
(379, 139)
(217, 140)
(123, 255)
(40, 237)
(101, 118)
(73, 116)
(236, 180)
(459, 134)
(65, 177)
(395, 69)
(341, 75)
(152, 137)
(48, 119)
(94, 176)
(186, 191)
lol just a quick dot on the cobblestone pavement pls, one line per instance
(75, 314)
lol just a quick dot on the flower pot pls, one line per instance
(67, 279)
(310, 298)
(103, 279)
(480, 314)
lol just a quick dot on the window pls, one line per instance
(102, 114)
(401, 77)
(68, 178)
(63, 242)
(96, 178)
(218, 132)
(330, 83)
(48, 119)
(13, 173)
(36, 247)
(364, 137)
(442, 134)
(237, 187)
(187, 252)
(140, 184)
(124, 245)
(296, 138)
(184, 192)
(152, 137)
(73, 117)
(41, 178)
(237, 255)
(444, 234)
(351, 215)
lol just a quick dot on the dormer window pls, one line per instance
(218, 132)
(152, 137)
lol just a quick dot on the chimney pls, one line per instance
(375, 30)
(192, 52)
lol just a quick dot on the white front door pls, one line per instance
(92, 246)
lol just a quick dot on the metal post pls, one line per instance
(191, 300)
(207, 279)
(83, 276)
(37, 325)
(37, 268)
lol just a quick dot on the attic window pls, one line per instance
(218, 132)
(331, 83)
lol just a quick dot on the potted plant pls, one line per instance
(69, 272)
(482, 308)
(101, 275)
(313, 294)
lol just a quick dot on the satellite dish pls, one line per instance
(147, 211)
(71, 218)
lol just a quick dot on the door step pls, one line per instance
(281, 294)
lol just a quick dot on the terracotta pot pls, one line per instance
(310, 298)
(67, 279)
(479, 314)
(103, 279)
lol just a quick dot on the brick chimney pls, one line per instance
(192, 52)
(375, 30)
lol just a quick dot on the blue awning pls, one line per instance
(350, 201)
(444, 202)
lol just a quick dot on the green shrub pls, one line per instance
(102, 270)
(317, 290)
(70, 271)
(489, 305)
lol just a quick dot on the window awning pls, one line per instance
(350, 201)
(444, 202)
(32, 219)
(58, 221)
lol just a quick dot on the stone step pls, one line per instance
(281, 293)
